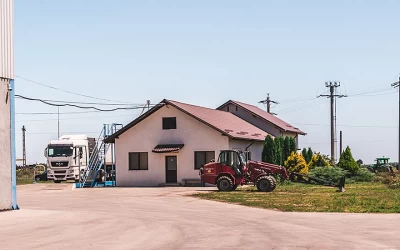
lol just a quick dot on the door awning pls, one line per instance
(167, 148)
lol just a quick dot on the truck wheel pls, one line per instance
(265, 184)
(224, 183)
(57, 181)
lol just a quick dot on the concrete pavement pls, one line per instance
(55, 216)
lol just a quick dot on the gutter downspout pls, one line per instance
(13, 153)
(250, 145)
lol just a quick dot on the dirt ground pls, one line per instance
(55, 216)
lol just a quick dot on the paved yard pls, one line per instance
(56, 217)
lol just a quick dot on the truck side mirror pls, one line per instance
(45, 152)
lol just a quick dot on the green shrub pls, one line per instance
(332, 174)
(363, 175)
(347, 162)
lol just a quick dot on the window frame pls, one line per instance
(164, 123)
(205, 157)
(139, 154)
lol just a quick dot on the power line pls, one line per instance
(352, 126)
(73, 105)
(67, 91)
(74, 118)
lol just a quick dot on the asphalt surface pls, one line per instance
(53, 216)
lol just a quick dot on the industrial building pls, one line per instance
(7, 105)
(170, 142)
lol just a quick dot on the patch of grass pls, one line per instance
(358, 198)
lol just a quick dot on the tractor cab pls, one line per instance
(382, 161)
(234, 159)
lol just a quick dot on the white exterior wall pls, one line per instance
(144, 136)
(255, 149)
(7, 39)
(5, 148)
(250, 118)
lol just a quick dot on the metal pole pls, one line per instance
(397, 85)
(341, 144)
(268, 104)
(332, 89)
(23, 147)
(58, 122)
(13, 153)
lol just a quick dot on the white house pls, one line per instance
(171, 141)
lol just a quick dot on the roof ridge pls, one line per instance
(195, 105)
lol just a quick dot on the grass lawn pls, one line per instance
(358, 198)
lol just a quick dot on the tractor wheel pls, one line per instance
(265, 184)
(224, 183)
(274, 183)
(234, 187)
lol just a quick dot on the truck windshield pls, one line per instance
(55, 151)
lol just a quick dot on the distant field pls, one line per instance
(358, 198)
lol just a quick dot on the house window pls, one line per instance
(138, 161)
(169, 122)
(236, 108)
(227, 108)
(203, 157)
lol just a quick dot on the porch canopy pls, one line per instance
(167, 148)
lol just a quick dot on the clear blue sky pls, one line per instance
(206, 52)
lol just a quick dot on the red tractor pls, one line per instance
(233, 169)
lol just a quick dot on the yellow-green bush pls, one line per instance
(296, 163)
(317, 160)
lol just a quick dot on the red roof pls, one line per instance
(266, 116)
(225, 122)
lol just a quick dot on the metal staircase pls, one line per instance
(97, 159)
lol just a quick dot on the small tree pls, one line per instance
(293, 144)
(347, 161)
(269, 151)
(318, 160)
(310, 154)
(360, 162)
(286, 147)
(279, 145)
(296, 163)
(304, 153)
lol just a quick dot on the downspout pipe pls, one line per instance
(13, 152)
(249, 145)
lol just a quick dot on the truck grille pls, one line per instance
(59, 172)
(59, 164)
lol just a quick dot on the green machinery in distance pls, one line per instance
(381, 165)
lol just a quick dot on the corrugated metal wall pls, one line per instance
(7, 39)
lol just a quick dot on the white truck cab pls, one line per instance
(67, 157)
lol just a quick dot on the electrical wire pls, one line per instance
(75, 106)
(67, 91)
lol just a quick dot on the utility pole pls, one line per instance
(23, 147)
(58, 122)
(397, 85)
(332, 87)
(341, 144)
(268, 101)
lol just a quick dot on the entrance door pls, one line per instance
(171, 169)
